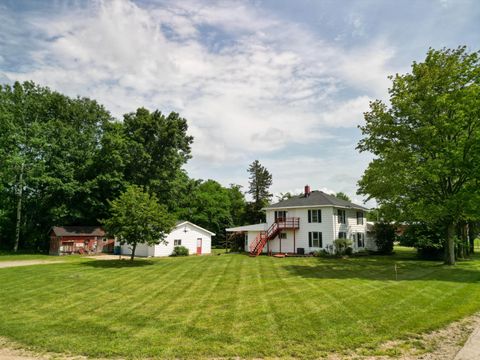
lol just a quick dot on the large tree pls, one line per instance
(426, 143)
(138, 218)
(260, 181)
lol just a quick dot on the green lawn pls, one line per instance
(11, 256)
(231, 305)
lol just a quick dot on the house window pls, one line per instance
(359, 218)
(315, 239)
(342, 235)
(177, 242)
(360, 240)
(341, 217)
(280, 215)
(314, 216)
(282, 235)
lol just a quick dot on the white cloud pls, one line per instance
(249, 84)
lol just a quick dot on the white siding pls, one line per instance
(329, 227)
(188, 238)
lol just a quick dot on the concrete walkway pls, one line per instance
(471, 349)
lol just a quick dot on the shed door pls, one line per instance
(199, 246)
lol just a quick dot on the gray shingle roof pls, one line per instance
(316, 198)
(78, 231)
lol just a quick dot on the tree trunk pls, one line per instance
(471, 236)
(450, 245)
(19, 208)
(133, 252)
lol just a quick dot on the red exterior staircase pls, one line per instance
(256, 247)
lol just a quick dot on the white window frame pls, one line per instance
(318, 240)
(342, 216)
(282, 235)
(318, 215)
(360, 220)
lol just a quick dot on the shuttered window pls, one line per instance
(315, 239)
(315, 216)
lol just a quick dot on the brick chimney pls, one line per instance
(307, 190)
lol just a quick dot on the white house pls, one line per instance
(197, 240)
(306, 223)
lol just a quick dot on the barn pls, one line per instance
(196, 239)
(66, 240)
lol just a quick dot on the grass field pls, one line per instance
(231, 305)
(11, 256)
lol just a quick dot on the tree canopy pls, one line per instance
(138, 218)
(260, 181)
(343, 196)
(426, 143)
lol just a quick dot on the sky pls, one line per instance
(282, 81)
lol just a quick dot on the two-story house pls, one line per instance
(306, 223)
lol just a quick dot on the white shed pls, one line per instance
(197, 240)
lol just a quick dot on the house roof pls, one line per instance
(255, 227)
(183, 222)
(316, 198)
(78, 231)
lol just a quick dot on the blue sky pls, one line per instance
(285, 82)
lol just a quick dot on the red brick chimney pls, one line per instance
(307, 190)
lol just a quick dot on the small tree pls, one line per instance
(341, 245)
(342, 196)
(138, 218)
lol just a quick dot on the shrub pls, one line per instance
(349, 251)
(321, 253)
(384, 237)
(180, 251)
(341, 245)
(426, 238)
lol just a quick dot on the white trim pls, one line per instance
(196, 226)
(315, 206)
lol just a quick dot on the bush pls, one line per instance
(349, 251)
(426, 238)
(180, 251)
(384, 237)
(321, 253)
(341, 246)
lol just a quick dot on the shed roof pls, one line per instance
(78, 231)
(316, 198)
(254, 227)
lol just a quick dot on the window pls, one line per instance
(342, 235)
(282, 235)
(177, 242)
(359, 218)
(341, 217)
(315, 239)
(360, 240)
(314, 216)
(280, 215)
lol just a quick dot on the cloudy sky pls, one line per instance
(282, 81)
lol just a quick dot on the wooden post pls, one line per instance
(294, 247)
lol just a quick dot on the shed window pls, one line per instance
(315, 239)
(177, 242)
(314, 216)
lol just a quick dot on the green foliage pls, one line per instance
(343, 196)
(427, 142)
(138, 218)
(384, 237)
(341, 245)
(260, 181)
(180, 251)
(428, 239)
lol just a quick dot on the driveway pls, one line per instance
(7, 264)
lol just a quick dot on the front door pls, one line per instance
(199, 246)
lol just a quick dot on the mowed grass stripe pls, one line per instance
(231, 305)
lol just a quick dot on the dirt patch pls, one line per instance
(7, 264)
(441, 344)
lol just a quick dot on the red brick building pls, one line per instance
(79, 240)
